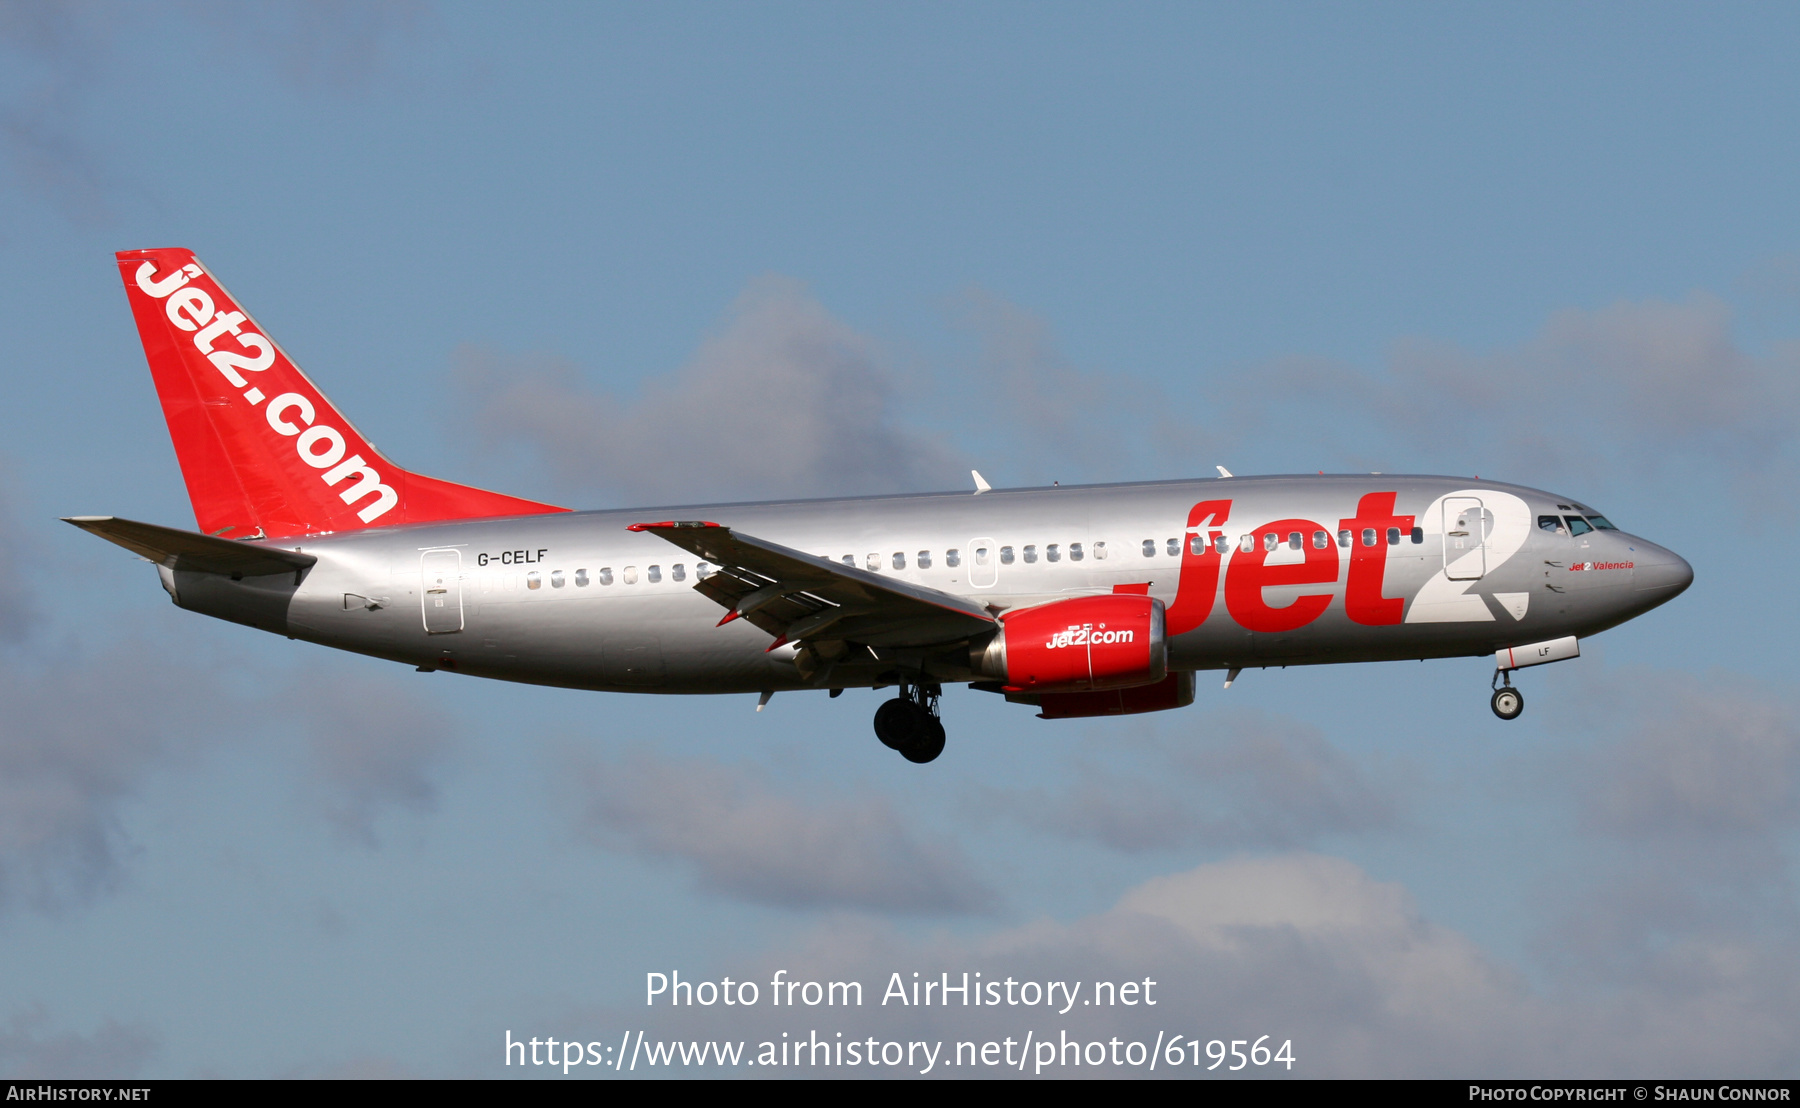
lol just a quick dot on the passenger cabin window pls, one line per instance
(1052, 554)
(1321, 540)
(1271, 540)
(1579, 526)
(606, 576)
(1246, 543)
(1294, 540)
(702, 571)
(630, 575)
(1006, 557)
(1368, 536)
(849, 559)
(1196, 545)
(1173, 546)
(534, 580)
(654, 573)
(1030, 554)
(1149, 548)
(899, 559)
(678, 572)
(872, 562)
(924, 561)
(581, 579)
(953, 557)
(1100, 551)
(1393, 536)
(1344, 537)
(556, 579)
(1074, 552)
(1418, 535)
(1221, 543)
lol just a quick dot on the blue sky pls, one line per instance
(613, 255)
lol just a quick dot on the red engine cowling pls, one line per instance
(1077, 645)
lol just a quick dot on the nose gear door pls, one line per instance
(441, 595)
(1466, 527)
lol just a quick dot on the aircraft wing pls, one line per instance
(190, 550)
(796, 596)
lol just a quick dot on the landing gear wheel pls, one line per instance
(909, 723)
(899, 724)
(1508, 702)
(930, 742)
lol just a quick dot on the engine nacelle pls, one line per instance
(1081, 644)
(1174, 691)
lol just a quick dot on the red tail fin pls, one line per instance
(260, 447)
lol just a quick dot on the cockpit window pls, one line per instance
(1601, 523)
(1550, 523)
(1579, 526)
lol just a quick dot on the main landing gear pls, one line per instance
(909, 723)
(1508, 702)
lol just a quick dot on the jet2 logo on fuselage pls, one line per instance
(1209, 559)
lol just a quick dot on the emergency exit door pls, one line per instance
(442, 592)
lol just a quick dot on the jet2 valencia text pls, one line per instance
(1082, 601)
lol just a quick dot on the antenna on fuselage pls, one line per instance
(1223, 472)
(981, 484)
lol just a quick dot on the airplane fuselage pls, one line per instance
(1252, 571)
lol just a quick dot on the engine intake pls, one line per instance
(1082, 644)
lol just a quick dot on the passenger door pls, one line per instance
(1466, 529)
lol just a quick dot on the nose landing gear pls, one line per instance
(1508, 702)
(909, 723)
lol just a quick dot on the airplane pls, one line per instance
(1081, 601)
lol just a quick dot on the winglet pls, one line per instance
(1223, 472)
(981, 484)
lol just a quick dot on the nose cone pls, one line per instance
(1659, 574)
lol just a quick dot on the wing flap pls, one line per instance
(793, 595)
(192, 551)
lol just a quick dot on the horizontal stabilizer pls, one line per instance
(191, 551)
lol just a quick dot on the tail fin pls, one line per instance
(263, 452)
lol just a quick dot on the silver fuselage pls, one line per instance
(503, 598)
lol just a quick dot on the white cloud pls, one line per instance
(747, 841)
(371, 747)
(783, 399)
(78, 738)
(1302, 947)
(1045, 418)
(30, 1051)
(1257, 781)
(1694, 757)
(1633, 388)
